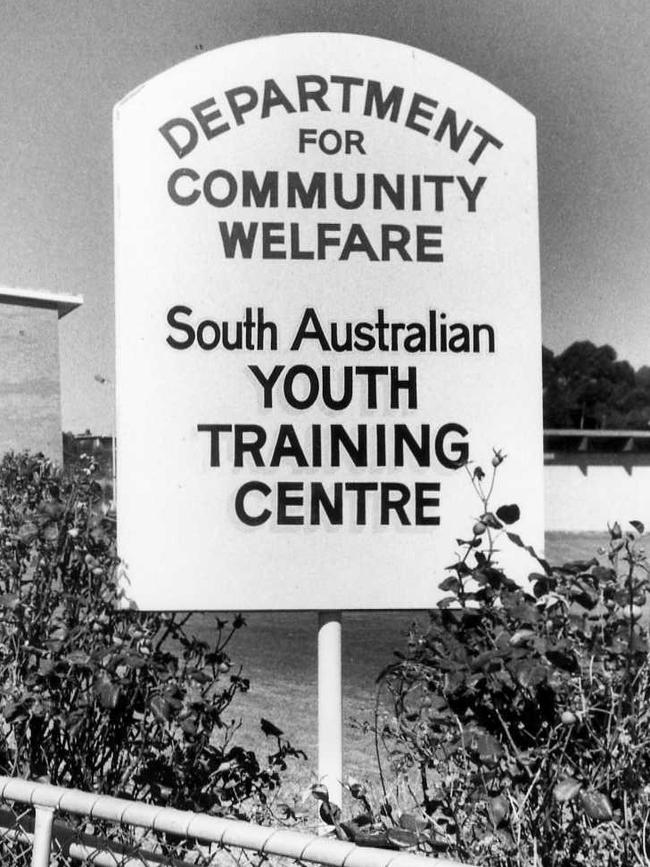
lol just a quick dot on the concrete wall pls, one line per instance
(586, 496)
(30, 400)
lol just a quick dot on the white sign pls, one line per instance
(327, 299)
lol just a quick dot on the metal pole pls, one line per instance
(43, 820)
(330, 711)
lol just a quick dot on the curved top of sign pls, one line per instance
(390, 48)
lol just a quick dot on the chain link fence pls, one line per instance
(49, 826)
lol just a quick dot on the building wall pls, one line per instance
(586, 496)
(30, 398)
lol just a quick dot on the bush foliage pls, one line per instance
(521, 715)
(119, 702)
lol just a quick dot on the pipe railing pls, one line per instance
(266, 841)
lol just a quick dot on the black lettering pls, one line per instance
(427, 237)
(294, 401)
(357, 452)
(486, 139)
(252, 447)
(285, 502)
(239, 107)
(205, 117)
(307, 94)
(378, 104)
(410, 385)
(309, 321)
(240, 510)
(274, 97)
(449, 123)
(181, 150)
(208, 188)
(214, 430)
(173, 322)
(457, 452)
(267, 382)
(307, 196)
(347, 82)
(416, 111)
(172, 187)
(471, 193)
(236, 236)
(424, 501)
(419, 450)
(394, 496)
(272, 235)
(361, 489)
(210, 326)
(320, 501)
(252, 192)
(287, 445)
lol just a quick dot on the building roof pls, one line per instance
(63, 304)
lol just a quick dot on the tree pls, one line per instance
(587, 387)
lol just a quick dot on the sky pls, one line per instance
(580, 66)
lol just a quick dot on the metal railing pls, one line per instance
(43, 826)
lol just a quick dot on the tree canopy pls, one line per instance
(586, 386)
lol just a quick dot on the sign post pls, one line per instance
(327, 300)
(330, 704)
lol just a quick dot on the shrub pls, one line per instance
(521, 715)
(119, 702)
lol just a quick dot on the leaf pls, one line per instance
(377, 839)
(498, 809)
(27, 533)
(51, 532)
(78, 657)
(638, 526)
(55, 510)
(411, 822)
(516, 540)
(401, 838)
(481, 742)
(450, 584)
(584, 596)
(596, 805)
(479, 474)
(355, 788)
(603, 573)
(189, 726)
(160, 708)
(521, 636)
(9, 600)
(530, 676)
(509, 514)
(198, 675)
(108, 694)
(446, 601)
(577, 566)
(14, 710)
(269, 729)
(135, 660)
(506, 839)
(490, 520)
(320, 792)
(329, 813)
(562, 658)
(566, 790)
